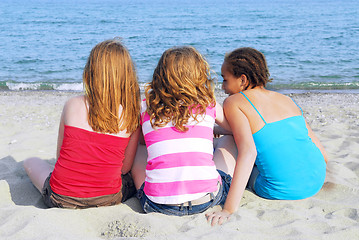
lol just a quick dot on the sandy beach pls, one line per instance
(29, 125)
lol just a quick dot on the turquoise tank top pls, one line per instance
(290, 165)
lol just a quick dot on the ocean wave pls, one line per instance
(316, 86)
(78, 86)
(38, 86)
(26, 86)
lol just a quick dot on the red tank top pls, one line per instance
(89, 164)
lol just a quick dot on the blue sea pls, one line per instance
(309, 45)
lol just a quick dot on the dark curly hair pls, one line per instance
(251, 63)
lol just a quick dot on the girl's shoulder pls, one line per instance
(75, 112)
(143, 106)
(77, 100)
(233, 99)
(76, 104)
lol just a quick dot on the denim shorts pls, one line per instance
(148, 206)
(252, 179)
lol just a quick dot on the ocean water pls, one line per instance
(309, 45)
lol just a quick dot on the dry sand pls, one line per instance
(29, 123)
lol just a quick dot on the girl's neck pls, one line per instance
(256, 88)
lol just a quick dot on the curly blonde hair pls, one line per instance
(181, 88)
(110, 82)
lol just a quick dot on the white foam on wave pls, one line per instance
(70, 87)
(21, 86)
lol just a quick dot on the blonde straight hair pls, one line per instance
(110, 82)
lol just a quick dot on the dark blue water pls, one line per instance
(308, 44)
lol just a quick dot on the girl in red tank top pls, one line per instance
(98, 136)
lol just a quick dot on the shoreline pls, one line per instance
(29, 128)
(352, 87)
(218, 91)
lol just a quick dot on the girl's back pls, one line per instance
(178, 116)
(272, 106)
(75, 114)
(287, 158)
(98, 135)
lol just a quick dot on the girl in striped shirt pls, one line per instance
(177, 118)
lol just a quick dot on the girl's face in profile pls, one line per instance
(231, 84)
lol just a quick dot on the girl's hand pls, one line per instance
(218, 217)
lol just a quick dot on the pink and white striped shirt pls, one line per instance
(180, 165)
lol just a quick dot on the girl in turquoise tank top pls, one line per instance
(279, 156)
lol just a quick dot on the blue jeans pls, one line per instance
(148, 206)
(252, 179)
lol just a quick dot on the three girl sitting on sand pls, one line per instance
(182, 170)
